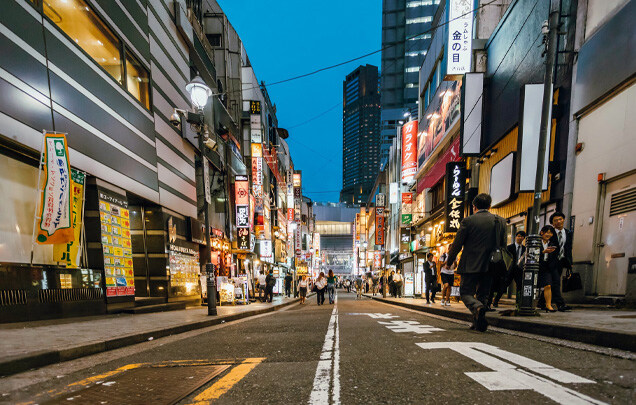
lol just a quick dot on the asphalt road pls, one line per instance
(357, 351)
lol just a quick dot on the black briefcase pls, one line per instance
(571, 282)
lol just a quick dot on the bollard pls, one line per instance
(211, 285)
(527, 306)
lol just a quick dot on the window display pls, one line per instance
(116, 245)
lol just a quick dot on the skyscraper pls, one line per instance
(405, 41)
(360, 133)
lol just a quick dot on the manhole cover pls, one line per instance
(148, 385)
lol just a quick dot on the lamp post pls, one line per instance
(199, 94)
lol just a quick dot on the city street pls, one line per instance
(356, 351)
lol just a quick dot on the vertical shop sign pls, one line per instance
(405, 239)
(377, 259)
(407, 211)
(298, 242)
(117, 244)
(206, 181)
(243, 220)
(69, 253)
(460, 37)
(379, 225)
(409, 151)
(380, 200)
(455, 195)
(54, 214)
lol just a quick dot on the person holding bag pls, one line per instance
(320, 285)
(481, 239)
(303, 284)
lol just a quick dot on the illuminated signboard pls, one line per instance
(460, 37)
(409, 151)
(455, 195)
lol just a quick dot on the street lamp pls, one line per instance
(199, 95)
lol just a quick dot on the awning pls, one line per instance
(438, 170)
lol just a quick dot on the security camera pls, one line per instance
(175, 119)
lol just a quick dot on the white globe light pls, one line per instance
(199, 92)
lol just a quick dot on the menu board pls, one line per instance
(117, 248)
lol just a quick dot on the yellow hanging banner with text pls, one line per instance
(69, 253)
(54, 224)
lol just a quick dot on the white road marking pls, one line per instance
(507, 376)
(375, 315)
(410, 326)
(328, 370)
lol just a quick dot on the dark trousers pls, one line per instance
(498, 285)
(475, 283)
(430, 281)
(515, 274)
(288, 290)
(320, 294)
(398, 289)
(269, 294)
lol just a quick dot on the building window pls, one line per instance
(419, 20)
(137, 80)
(214, 39)
(77, 20)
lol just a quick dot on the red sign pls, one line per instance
(377, 259)
(242, 190)
(379, 226)
(290, 214)
(409, 151)
(407, 198)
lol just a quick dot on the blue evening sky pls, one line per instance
(286, 38)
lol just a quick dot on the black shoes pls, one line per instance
(481, 324)
(565, 308)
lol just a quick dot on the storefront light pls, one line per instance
(430, 228)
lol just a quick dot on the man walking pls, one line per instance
(397, 280)
(261, 280)
(430, 278)
(288, 284)
(476, 237)
(270, 282)
(563, 240)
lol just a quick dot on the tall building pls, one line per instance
(360, 133)
(406, 37)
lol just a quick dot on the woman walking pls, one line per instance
(302, 288)
(320, 285)
(448, 278)
(547, 265)
(331, 286)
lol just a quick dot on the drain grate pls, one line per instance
(147, 385)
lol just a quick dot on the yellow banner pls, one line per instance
(69, 253)
(54, 225)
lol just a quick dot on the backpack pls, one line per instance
(270, 281)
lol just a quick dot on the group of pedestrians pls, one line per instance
(482, 278)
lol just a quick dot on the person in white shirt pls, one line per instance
(448, 278)
(321, 284)
(397, 280)
(303, 284)
(262, 284)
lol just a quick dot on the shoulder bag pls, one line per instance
(500, 255)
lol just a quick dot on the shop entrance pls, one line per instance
(618, 232)
(148, 245)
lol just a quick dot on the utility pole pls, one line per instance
(533, 243)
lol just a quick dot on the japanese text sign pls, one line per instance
(409, 151)
(455, 195)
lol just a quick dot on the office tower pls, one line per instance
(405, 41)
(360, 133)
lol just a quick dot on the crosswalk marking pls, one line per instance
(410, 326)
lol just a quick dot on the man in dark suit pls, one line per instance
(563, 239)
(476, 236)
(430, 278)
(517, 250)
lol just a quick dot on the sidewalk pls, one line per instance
(598, 326)
(28, 345)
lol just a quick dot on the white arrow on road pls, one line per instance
(508, 376)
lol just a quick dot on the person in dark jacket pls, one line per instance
(288, 284)
(430, 278)
(562, 239)
(476, 240)
(270, 282)
(548, 263)
(516, 250)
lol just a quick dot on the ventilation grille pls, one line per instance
(623, 202)
(69, 294)
(13, 297)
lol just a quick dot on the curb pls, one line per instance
(20, 363)
(598, 337)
